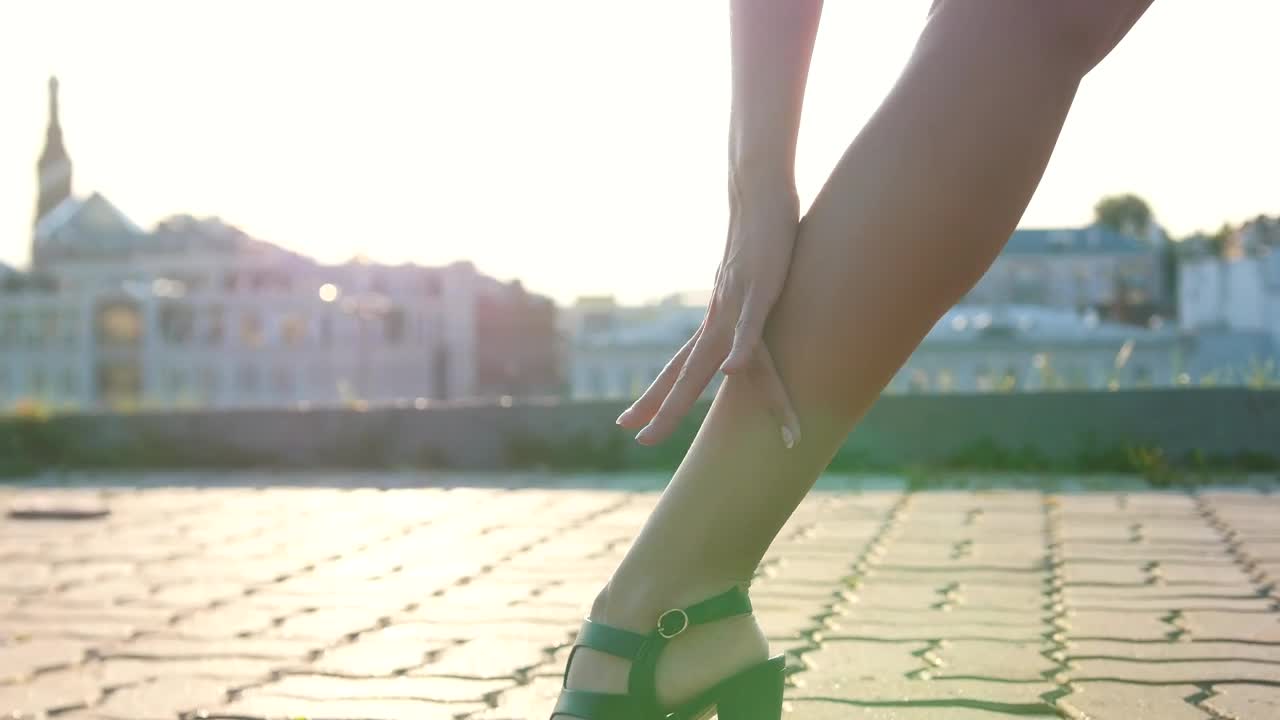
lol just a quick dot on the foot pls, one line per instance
(699, 658)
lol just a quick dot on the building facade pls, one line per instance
(1079, 269)
(194, 313)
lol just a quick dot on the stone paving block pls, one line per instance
(845, 628)
(991, 578)
(162, 699)
(546, 634)
(1097, 624)
(524, 702)
(330, 624)
(1032, 617)
(1166, 671)
(1142, 552)
(1121, 602)
(23, 658)
(827, 710)
(92, 630)
(226, 621)
(486, 657)
(990, 659)
(273, 707)
(195, 594)
(48, 693)
(883, 595)
(1021, 697)
(50, 610)
(1225, 574)
(439, 689)
(170, 646)
(370, 657)
(1124, 701)
(1252, 626)
(985, 596)
(860, 660)
(1091, 573)
(67, 572)
(782, 621)
(124, 671)
(1179, 650)
(1245, 702)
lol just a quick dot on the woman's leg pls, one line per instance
(911, 217)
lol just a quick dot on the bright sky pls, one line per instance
(578, 145)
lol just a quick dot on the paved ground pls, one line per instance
(459, 603)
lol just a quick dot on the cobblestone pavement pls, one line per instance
(461, 602)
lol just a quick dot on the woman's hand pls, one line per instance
(762, 230)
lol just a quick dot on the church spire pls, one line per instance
(54, 168)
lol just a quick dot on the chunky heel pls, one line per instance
(755, 694)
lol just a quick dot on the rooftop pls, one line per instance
(1092, 239)
(229, 601)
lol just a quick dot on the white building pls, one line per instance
(976, 348)
(196, 314)
(1237, 290)
(1075, 269)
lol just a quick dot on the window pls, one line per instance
(119, 324)
(39, 382)
(983, 379)
(393, 326)
(9, 325)
(326, 330)
(251, 330)
(431, 286)
(293, 330)
(214, 329)
(247, 379)
(175, 382)
(177, 322)
(1009, 381)
(282, 381)
(209, 382)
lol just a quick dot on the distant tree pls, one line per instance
(1220, 241)
(1125, 213)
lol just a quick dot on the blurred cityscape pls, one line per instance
(194, 313)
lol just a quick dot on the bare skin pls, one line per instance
(911, 217)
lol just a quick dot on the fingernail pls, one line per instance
(643, 436)
(787, 438)
(626, 414)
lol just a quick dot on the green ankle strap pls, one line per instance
(643, 650)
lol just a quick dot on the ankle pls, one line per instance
(636, 604)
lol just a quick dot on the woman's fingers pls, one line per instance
(693, 378)
(747, 333)
(644, 408)
(764, 374)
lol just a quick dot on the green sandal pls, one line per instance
(753, 694)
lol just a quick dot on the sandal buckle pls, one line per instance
(665, 628)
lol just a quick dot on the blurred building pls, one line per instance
(1235, 286)
(1095, 268)
(1229, 299)
(616, 351)
(195, 313)
(979, 348)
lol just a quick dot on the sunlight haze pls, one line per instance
(579, 146)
